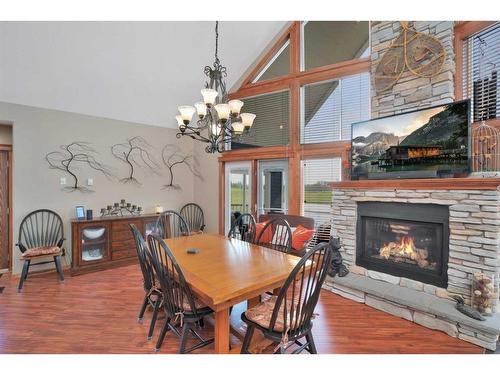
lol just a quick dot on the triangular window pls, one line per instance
(277, 66)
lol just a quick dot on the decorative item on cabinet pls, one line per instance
(121, 209)
(106, 242)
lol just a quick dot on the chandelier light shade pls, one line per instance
(218, 121)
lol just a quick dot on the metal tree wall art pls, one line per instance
(136, 153)
(172, 156)
(421, 54)
(72, 155)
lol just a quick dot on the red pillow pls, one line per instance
(267, 236)
(301, 236)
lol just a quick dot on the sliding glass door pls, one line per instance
(272, 196)
(238, 191)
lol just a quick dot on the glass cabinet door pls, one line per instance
(94, 246)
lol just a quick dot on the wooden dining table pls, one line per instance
(225, 272)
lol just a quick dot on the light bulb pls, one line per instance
(235, 106)
(201, 108)
(223, 111)
(209, 96)
(247, 119)
(238, 127)
(187, 113)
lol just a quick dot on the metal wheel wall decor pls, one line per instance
(173, 157)
(72, 155)
(136, 153)
(422, 54)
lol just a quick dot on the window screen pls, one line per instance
(271, 126)
(329, 108)
(481, 62)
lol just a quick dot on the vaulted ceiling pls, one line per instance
(131, 71)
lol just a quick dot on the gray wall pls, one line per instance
(39, 131)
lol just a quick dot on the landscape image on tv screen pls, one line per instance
(427, 143)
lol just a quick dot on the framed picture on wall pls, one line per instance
(80, 212)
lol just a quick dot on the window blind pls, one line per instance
(317, 175)
(271, 126)
(481, 62)
(329, 108)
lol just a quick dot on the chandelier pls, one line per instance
(217, 121)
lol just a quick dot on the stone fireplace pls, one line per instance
(410, 250)
(402, 239)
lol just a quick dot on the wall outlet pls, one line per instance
(62, 181)
(90, 181)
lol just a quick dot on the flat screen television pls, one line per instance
(426, 143)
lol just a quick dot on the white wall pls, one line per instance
(39, 131)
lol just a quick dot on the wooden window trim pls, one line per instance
(294, 151)
(462, 31)
(9, 149)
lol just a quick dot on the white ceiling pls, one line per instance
(131, 71)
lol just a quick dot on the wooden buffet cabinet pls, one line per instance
(106, 242)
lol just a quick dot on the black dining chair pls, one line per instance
(41, 235)
(193, 215)
(179, 302)
(243, 228)
(171, 224)
(152, 292)
(276, 235)
(287, 317)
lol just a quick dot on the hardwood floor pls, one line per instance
(97, 313)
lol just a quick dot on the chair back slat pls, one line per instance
(243, 228)
(176, 292)
(142, 250)
(193, 215)
(299, 295)
(281, 235)
(41, 228)
(171, 224)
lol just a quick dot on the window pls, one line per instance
(277, 66)
(329, 108)
(481, 61)
(271, 126)
(317, 175)
(330, 42)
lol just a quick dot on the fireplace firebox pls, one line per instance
(402, 239)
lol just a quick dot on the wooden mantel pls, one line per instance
(426, 184)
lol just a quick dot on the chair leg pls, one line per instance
(185, 332)
(312, 345)
(57, 261)
(247, 340)
(27, 269)
(24, 274)
(164, 329)
(153, 319)
(145, 303)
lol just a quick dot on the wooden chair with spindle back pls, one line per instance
(179, 302)
(41, 235)
(171, 224)
(287, 317)
(276, 235)
(193, 215)
(243, 228)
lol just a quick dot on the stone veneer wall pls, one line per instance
(474, 233)
(412, 92)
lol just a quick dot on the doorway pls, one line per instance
(5, 204)
(273, 187)
(238, 194)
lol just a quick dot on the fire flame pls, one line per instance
(404, 248)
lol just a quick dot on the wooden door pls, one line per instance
(4, 209)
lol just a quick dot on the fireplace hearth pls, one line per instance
(403, 239)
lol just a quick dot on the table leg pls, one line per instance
(221, 344)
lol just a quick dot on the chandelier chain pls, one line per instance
(216, 41)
